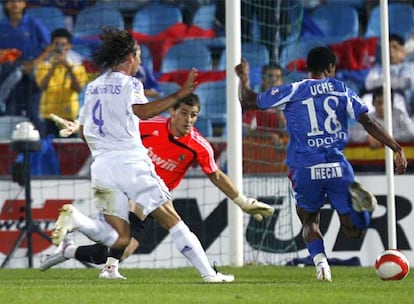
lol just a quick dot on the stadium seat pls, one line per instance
(300, 49)
(204, 17)
(213, 105)
(337, 20)
(154, 18)
(83, 50)
(51, 17)
(90, 20)
(204, 126)
(255, 53)
(146, 56)
(358, 4)
(401, 20)
(213, 100)
(186, 55)
(167, 88)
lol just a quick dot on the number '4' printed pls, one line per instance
(97, 116)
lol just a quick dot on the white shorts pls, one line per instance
(118, 177)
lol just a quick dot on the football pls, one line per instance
(392, 265)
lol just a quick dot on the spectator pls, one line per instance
(402, 124)
(20, 31)
(270, 123)
(151, 89)
(402, 72)
(60, 79)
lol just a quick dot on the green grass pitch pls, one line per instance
(254, 284)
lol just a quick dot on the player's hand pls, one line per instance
(400, 162)
(257, 209)
(190, 85)
(242, 70)
(67, 127)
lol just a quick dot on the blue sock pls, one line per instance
(315, 247)
(360, 219)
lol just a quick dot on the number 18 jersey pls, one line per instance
(317, 113)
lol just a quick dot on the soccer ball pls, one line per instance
(392, 265)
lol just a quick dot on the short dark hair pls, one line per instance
(6, 12)
(190, 100)
(319, 58)
(379, 92)
(115, 47)
(397, 38)
(61, 32)
(271, 66)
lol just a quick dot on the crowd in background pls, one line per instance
(46, 75)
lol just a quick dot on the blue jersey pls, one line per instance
(317, 113)
(31, 37)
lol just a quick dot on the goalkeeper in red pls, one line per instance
(317, 110)
(173, 145)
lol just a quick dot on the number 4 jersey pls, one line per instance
(317, 113)
(107, 115)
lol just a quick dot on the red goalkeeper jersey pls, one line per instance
(172, 156)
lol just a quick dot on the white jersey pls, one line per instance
(109, 123)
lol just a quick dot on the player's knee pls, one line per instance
(121, 243)
(310, 230)
(166, 215)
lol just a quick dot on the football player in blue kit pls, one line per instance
(317, 110)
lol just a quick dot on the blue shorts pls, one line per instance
(313, 185)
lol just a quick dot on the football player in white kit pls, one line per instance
(121, 169)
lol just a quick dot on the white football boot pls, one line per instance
(218, 277)
(64, 224)
(57, 257)
(111, 272)
(323, 272)
(361, 198)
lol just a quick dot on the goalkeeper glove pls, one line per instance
(255, 208)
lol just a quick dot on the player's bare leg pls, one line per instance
(312, 236)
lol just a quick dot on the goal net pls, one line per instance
(170, 47)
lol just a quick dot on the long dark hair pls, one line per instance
(115, 47)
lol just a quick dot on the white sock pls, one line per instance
(112, 261)
(320, 258)
(69, 251)
(189, 245)
(97, 230)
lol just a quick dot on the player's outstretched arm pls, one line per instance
(67, 127)
(156, 107)
(252, 206)
(377, 130)
(247, 96)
